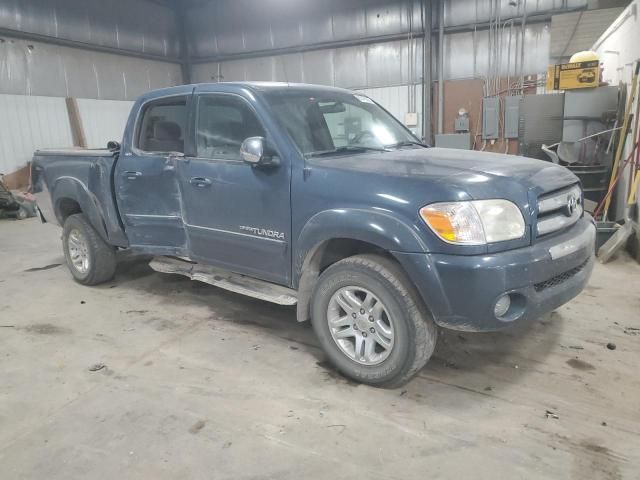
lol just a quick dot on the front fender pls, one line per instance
(377, 227)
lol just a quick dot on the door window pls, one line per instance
(163, 126)
(224, 122)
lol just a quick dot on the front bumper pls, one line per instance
(461, 291)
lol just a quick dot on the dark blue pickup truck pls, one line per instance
(318, 197)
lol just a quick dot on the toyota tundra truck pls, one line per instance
(318, 197)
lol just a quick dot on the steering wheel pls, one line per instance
(361, 135)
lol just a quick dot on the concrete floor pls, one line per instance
(201, 383)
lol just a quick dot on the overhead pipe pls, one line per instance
(524, 25)
(427, 83)
(441, 67)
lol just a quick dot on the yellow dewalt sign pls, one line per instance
(569, 76)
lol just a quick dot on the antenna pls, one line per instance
(284, 70)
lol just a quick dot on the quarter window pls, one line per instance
(224, 122)
(163, 126)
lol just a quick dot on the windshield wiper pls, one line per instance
(407, 143)
(346, 149)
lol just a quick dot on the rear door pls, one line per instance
(237, 216)
(146, 181)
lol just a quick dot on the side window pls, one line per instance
(163, 126)
(224, 122)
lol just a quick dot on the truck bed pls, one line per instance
(68, 179)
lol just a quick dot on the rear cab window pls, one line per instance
(162, 126)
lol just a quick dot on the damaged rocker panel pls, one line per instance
(233, 282)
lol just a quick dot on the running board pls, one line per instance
(233, 282)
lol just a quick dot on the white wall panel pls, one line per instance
(103, 120)
(28, 123)
(619, 49)
(466, 54)
(396, 101)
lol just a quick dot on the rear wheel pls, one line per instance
(89, 258)
(371, 322)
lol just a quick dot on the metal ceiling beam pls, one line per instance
(7, 32)
(180, 20)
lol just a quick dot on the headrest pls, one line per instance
(165, 130)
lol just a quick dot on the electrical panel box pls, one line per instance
(454, 140)
(411, 119)
(490, 118)
(512, 116)
(461, 124)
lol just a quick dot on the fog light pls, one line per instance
(502, 305)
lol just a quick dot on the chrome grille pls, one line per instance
(559, 210)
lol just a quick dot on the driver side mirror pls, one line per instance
(256, 152)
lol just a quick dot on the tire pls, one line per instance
(79, 235)
(405, 321)
(22, 214)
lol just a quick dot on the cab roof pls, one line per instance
(254, 86)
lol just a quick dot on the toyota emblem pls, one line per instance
(572, 203)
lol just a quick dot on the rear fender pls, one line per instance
(74, 189)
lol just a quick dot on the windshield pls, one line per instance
(329, 123)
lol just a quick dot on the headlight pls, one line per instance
(476, 222)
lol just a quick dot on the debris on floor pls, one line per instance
(196, 427)
(550, 414)
(97, 367)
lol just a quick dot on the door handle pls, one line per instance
(200, 182)
(131, 175)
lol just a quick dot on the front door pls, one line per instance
(237, 216)
(146, 179)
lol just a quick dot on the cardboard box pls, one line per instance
(569, 76)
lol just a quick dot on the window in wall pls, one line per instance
(163, 126)
(224, 122)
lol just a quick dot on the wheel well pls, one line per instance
(67, 207)
(323, 256)
(338, 248)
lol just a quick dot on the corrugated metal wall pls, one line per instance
(469, 12)
(466, 54)
(28, 123)
(381, 64)
(386, 63)
(244, 26)
(241, 26)
(139, 26)
(34, 68)
(222, 30)
(129, 27)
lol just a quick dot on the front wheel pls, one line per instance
(89, 258)
(370, 321)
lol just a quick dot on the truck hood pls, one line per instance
(480, 174)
